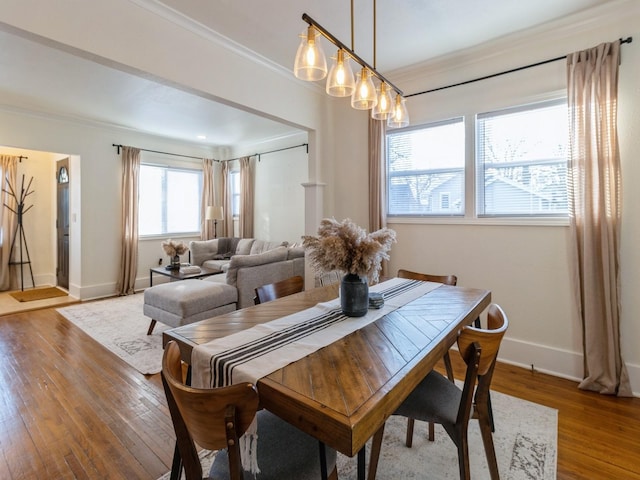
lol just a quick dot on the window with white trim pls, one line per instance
(168, 200)
(426, 169)
(521, 161)
(234, 181)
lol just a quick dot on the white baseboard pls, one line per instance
(553, 361)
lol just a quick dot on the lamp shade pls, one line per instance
(214, 213)
(310, 63)
(340, 81)
(399, 115)
(383, 108)
(364, 96)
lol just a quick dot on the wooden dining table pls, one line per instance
(343, 393)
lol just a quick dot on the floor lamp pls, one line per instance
(214, 213)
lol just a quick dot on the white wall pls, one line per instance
(279, 193)
(525, 266)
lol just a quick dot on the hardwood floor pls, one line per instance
(69, 409)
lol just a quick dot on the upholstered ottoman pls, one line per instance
(187, 301)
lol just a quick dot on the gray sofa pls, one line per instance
(252, 264)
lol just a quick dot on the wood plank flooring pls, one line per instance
(69, 409)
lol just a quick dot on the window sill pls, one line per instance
(497, 221)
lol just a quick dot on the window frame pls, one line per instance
(440, 214)
(470, 216)
(174, 168)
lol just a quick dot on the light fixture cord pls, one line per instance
(374, 34)
(352, 42)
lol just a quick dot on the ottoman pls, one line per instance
(187, 301)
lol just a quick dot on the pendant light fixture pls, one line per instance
(340, 81)
(399, 115)
(382, 110)
(364, 96)
(310, 65)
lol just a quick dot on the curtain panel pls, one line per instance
(227, 210)
(377, 180)
(595, 213)
(247, 188)
(129, 257)
(8, 217)
(208, 198)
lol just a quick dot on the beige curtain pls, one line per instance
(208, 198)
(377, 180)
(8, 218)
(227, 210)
(246, 197)
(129, 257)
(595, 212)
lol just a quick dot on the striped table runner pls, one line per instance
(259, 351)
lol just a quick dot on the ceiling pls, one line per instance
(38, 77)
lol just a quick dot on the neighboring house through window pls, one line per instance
(518, 167)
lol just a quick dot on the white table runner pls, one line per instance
(259, 351)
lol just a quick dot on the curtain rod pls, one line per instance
(200, 158)
(156, 151)
(622, 41)
(271, 151)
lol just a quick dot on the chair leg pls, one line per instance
(432, 432)
(463, 458)
(448, 367)
(153, 324)
(376, 447)
(323, 461)
(487, 440)
(410, 424)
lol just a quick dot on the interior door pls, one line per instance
(62, 223)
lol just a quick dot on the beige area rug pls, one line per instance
(525, 440)
(38, 294)
(119, 325)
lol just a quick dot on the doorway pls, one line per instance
(62, 222)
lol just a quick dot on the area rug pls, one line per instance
(38, 294)
(525, 442)
(119, 325)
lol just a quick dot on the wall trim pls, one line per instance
(553, 361)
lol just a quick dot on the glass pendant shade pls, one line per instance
(340, 81)
(364, 96)
(383, 108)
(310, 63)
(399, 115)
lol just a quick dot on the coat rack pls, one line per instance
(19, 232)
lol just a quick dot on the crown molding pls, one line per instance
(554, 34)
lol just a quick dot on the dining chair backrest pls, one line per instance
(213, 418)
(489, 339)
(425, 277)
(269, 292)
(479, 349)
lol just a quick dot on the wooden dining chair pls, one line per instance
(216, 418)
(438, 400)
(269, 292)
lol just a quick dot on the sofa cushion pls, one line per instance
(202, 250)
(244, 246)
(261, 246)
(239, 261)
(216, 265)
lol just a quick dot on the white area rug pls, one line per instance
(120, 326)
(525, 441)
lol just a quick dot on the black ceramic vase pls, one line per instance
(354, 295)
(175, 263)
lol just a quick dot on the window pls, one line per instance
(169, 200)
(425, 168)
(234, 181)
(521, 165)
